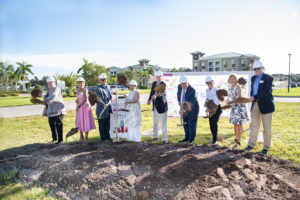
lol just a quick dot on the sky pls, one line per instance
(55, 35)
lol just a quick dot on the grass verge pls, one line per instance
(22, 101)
(284, 92)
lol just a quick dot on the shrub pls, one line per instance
(14, 94)
(65, 95)
(3, 95)
(143, 87)
(37, 86)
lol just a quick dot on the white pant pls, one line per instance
(163, 119)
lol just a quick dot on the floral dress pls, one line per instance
(238, 113)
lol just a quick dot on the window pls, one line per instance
(196, 68)
(196, 57)
(233, 65)
(218, 66)
(225, 65)
(243, 62)
(195, 64)
(210, 67)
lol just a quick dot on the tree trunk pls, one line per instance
(6, 83)
(16, 85)
(24, 84)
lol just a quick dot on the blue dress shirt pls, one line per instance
(256, 83)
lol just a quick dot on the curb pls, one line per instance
(287, 96)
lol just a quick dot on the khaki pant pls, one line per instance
(256, 118)
(163, 119)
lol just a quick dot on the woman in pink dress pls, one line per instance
(84, 116)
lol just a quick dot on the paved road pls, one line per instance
(20, 111)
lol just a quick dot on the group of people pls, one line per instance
(260, 96)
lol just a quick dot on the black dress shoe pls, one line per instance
(58, 142)
(183, 141)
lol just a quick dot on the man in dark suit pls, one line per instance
(105, 97)
(262, 107)
(160, 108)
(186, 93)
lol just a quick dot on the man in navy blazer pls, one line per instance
(262, 107)
(185, 92)
(105, 96)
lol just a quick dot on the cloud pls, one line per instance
(295, 13)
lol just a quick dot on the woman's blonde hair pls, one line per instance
(232, 75)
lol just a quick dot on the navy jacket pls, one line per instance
(159, 104)
(264, 96)
(190, 96)
(104, 99)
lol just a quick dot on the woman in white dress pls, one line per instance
(134, 118)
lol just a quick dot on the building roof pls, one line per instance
(143, 60)
(227, 55)
(197, 52)
(115, 68)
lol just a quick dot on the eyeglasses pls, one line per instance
(102, 79)
(257, 69)
(208, 83)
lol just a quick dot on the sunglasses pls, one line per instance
(102, 79)
(257, 69)
(208, 83)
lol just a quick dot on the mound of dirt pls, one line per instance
(152, 171)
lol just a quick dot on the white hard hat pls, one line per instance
(50, 79)
(158, 73)
(103, 75)
(208, 79)
(257, 64)
(80, 79)
(183, 79)
(133, 82)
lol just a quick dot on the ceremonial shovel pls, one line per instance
(73, 130)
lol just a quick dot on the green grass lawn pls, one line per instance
(20, 131)
(15, 132)
(11, 101)
(284, 92)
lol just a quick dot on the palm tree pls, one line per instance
(70, 81)
(57, 76)
(143, 75)
(85, 66)
(2, 74)
(23, 71)
(5, 71)
(14, 79)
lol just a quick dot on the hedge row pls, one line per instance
(10, 94)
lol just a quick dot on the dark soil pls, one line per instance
(152, 171)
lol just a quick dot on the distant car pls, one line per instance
(119, 87)
(293, 85)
